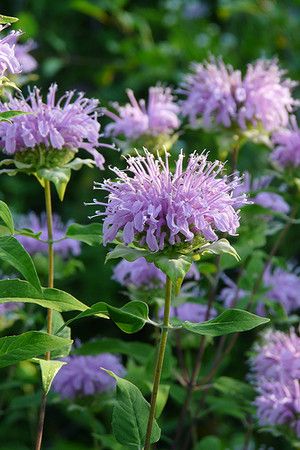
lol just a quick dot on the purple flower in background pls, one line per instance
(69, 123)
(275, 373)
(156, 208)
(140, 273)
(213, 92)
(287, 145)
(195, 10)
(138, 118)
(268, 96)
(272, 201)
(218, 94)
(231, 293)
(8, 59)
(10, 307)
(27, 61)
(192, 312)
(279, 404)
(267, 199)
(82, 375)
(65, 248)
(284, 288)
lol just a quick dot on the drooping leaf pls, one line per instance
(230, 321)
(91, 234)
(28, 345)
(130, 415)
(130, 318)
(219, 247)
(60, 330)
(7, 19)
(48, 369)
(126, 252)
(21, 291)
(174, 268)
(59, 176)
(13, 253)
(6, 218)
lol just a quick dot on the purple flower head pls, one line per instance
(156, 208)
(231, 293)
(279, 404)
(275, 372)
(69, 123)
(287, 145)
(140, 273)
(219, 95)
(65, 248)
(213, 92)
(267, 199)
(82, 375)
(272, 201)
(191, 312)
(268, 96)
(284, 288)
(9, 61)
(27, 61)
(277, 357)
(138, 118)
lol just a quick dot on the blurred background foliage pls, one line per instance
(103, 47)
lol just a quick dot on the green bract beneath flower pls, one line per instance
(41, 157)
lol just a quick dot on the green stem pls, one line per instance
(48, 204)
(159, 362)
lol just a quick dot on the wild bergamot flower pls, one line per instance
(155, 208)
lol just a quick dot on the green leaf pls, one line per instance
(230, 321)
(130, 415)
(28, 345)
(125, 252)
(22, 291)
(219, 247)
(174, 268)
(6, 217)
(59, 176)
(7, 19)
(60, 330)
(162, 398)
(13, 253)
(209, 443)
(48, 369)
(5, 116)
(90, 234)
(130, 318)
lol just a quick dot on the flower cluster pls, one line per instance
(9, 61)
(275, 372)
(138, 118)
(69, 123)
(38, 224)
(220, 95)
(141, 273)
(156, 208)
(82, 375)
(287, 145)
(191, 312)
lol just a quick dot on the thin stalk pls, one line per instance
(49, 215)
(159, 362)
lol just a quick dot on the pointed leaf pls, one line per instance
(126, 252)
(28, 345)
(13, 253)
(48, 369)
(130, 415)
(174, 268)
(131, 317)
(6, 217)
(219, 247)
(22, 291)
(60, 177)
(7, 19)
(230, 321)
(90, 234)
